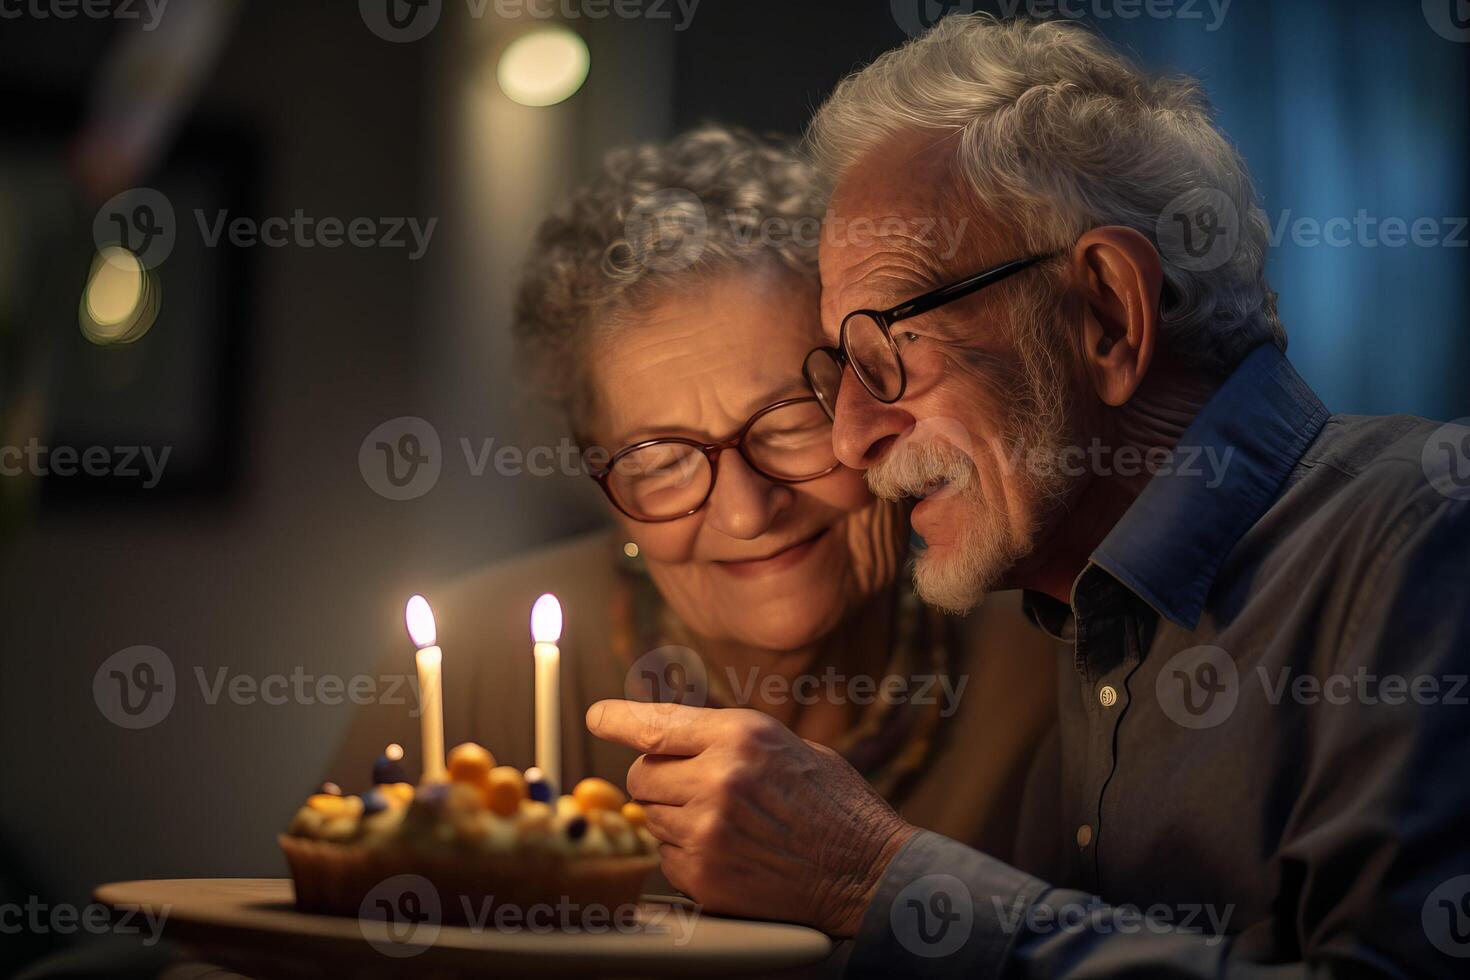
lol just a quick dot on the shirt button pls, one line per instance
(1107, 695)
(1084, 835)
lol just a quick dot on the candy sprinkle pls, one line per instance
(537, 786)
(374, 801)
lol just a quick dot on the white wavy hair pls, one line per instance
(1059, 133)
(657, 219)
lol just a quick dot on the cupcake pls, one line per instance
(491, 836)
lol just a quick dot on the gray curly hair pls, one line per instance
(658, 219)
(1059, 133)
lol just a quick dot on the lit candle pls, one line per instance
(431, 691)
(546, 630)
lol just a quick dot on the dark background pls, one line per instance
(265, 548)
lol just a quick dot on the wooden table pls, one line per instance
(251, 925)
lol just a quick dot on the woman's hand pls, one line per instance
(754, 820)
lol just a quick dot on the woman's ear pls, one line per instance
(1121, 279)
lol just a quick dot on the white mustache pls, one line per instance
(916, 467)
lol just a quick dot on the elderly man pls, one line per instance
(1255, 772)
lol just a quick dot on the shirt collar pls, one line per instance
(1227, 470)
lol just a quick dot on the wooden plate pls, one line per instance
(252, 925)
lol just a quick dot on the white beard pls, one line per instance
(955, 578)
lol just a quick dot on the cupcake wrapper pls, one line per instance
(338, 878)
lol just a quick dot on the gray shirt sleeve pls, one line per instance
(1371, 870)
(946, 910)
(942, 910)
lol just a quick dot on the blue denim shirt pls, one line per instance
(1256, 770)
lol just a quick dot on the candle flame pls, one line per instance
(546, 619)
(420, 620)
(394, 752)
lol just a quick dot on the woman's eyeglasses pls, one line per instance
(866, 340)
(789, 441)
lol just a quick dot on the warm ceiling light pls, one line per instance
(544, 67)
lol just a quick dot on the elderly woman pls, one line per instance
(668, 306)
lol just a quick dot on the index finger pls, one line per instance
(657, 728)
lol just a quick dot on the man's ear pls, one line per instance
(1120, 279)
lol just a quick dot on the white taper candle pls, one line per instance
(546, 630)
(430, 661)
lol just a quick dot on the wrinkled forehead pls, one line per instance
(901, 218)
(699, 361)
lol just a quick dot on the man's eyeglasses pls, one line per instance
(865, 340)
(789, 441)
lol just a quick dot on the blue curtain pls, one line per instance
(1353, 110)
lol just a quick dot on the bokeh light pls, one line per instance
(121, 299)
(544, 67)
